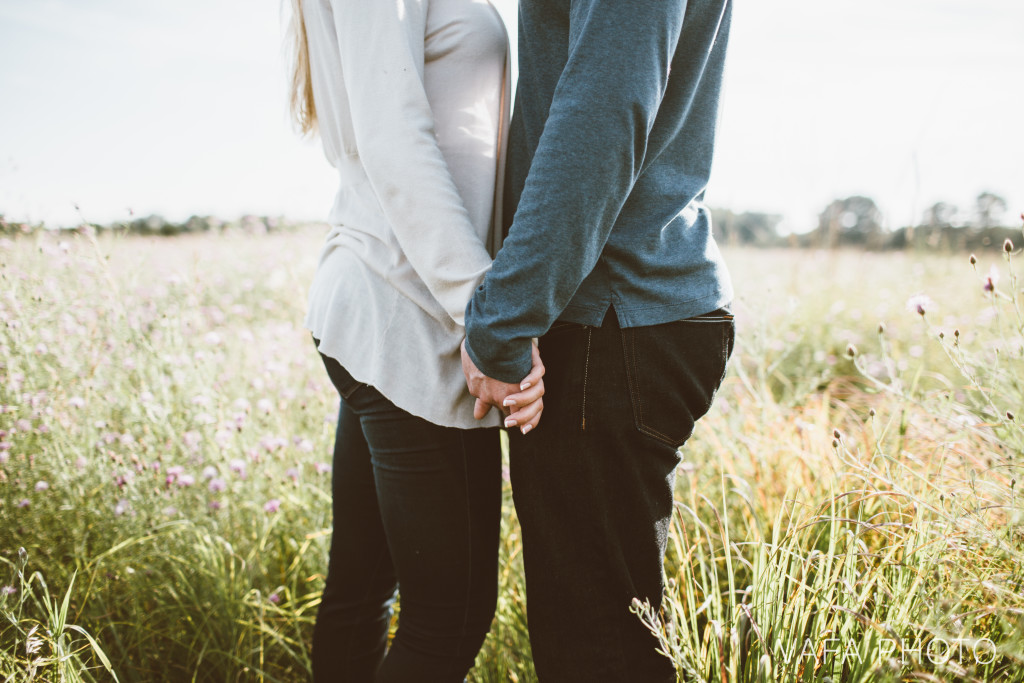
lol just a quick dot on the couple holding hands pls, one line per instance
(555, 275)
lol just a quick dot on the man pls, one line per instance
(610, 262)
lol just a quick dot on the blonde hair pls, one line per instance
(301, 103)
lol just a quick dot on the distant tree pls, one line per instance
(749, 227)
(853, 220)
(989, 209)
(939, 215)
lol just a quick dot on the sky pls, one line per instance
(178, 107)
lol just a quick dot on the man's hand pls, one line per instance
(522, 405)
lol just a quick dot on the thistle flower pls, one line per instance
(920, 304)
(217, 485)
(272, 505)
(322, 468)
(992, 279)
(42, 485)
(274, 598)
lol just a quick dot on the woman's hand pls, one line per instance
(526, 405)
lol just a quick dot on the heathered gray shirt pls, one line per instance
(609, 156)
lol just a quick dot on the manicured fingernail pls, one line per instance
(526, 429)
(508, 402)
(510, 422)
(524, 386)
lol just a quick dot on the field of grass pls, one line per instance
(848, 511)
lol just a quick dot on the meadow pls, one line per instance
(848, 511)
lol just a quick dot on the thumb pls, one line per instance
(480, 409)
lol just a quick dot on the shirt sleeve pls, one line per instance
(381, 43)
(588, 158)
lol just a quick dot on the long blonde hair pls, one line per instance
(301, 103)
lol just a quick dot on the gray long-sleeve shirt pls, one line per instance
(609, 156)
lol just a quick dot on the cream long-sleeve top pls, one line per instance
(412, 101)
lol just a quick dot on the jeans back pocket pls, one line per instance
(674, 370)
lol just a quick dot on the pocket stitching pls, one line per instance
(634, 392)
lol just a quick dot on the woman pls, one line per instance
(410, 100)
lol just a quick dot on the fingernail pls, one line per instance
(508, 402)
(510, 422)
(526, 429)
(524, 386)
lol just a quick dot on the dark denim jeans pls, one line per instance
(593, 487)
(416, 507)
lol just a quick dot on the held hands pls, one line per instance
(522, 405)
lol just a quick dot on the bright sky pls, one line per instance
(178, 107)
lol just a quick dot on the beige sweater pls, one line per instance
(412, 102)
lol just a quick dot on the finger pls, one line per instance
(526, 413)
(536, 372)
(522, 398)
(480, 409)
(532, 423)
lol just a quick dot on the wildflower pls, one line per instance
(217, 485)
(23, 503)
(175, 471)
(322, 468)
(305, 445)
(8, 590)
(215, 505)
(264, 405)
(121, 507)
(920, 304)
(209, 472)
(186, 480)
(42, 485)
(238, 467)
(272, 505)
(23, 425)
(292, 473)
(992, 279)
(274, 598)
(76, 402)
(191, 439)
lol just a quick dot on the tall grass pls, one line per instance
(165, 439)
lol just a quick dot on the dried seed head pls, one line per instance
(1007, 246)
(835, 444)
(956, 333)
(1009, 416)
(836, 433)
(851, 351)
(974, 259)
(942, 335)
(881, 328)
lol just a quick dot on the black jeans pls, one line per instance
(593, 487)
(416, 506)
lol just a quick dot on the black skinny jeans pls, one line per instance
(416, 507)
(593, 487)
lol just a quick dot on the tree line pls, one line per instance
(854, 221)
(857, 221)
